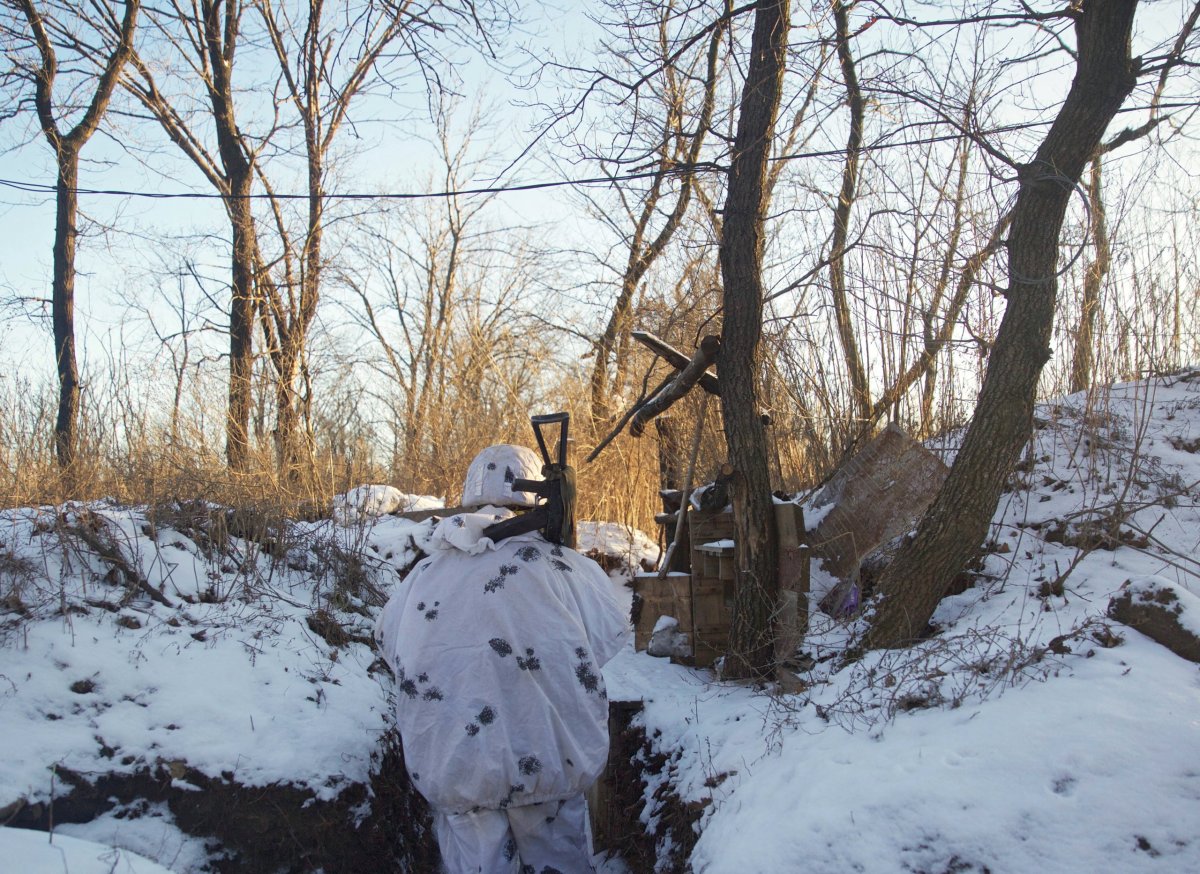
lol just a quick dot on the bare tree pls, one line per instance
(861, 391)
(103, 45)
(204, 36)
(445, 296)
(957, 521)
(752, 648)
(326, 58)
(674, 107)
(255, 134)
(1083, 357)
(898, 228)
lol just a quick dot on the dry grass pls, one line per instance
(156, 470)
(154, 474)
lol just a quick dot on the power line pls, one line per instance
(29, 187)
(43, 188)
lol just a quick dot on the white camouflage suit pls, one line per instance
(497, 650)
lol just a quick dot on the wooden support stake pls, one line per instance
(686, 498)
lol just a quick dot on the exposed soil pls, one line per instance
(284, 828)
(267, 829)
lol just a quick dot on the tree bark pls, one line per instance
(63, 305)
(241, 324)
(221, 34)
(957, 522)
(1083, 360)
(756, 554)
(860, 388)
(208, 32)
(67, 146)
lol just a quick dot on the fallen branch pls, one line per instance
(706, 354)
(111, 553)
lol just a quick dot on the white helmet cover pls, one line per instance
(491, 474)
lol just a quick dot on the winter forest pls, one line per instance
(273, 272)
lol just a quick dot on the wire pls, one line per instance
(1067, 184)
(44, 188)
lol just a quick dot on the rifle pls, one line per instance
(556, 517)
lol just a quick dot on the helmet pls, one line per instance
(491, 474)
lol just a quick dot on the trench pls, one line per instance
(281, 828)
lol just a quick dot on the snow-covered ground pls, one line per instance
(1030, 734)
(1018, 739)
(31, 851)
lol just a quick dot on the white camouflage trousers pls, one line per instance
(546, 838)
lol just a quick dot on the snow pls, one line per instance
(148, 830)
(239, 686)
(610, 538)
(36, 852)
(1031, 733)
(814, 515)
(379, 500)
(665, 622)
(983, 748)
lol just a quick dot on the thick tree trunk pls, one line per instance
(221, 32)
(63, 306)
(956, 524)
(292, 446)
(757, 550)
(66, 152)
(241, 323)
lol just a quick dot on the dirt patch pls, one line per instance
(266, 829)
(1155, 613)
(633, 764)
(1185, 445)
(1094, 534)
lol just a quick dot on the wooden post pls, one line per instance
(670, 476)
(686, 497)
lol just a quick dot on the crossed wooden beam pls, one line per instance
(687, 372)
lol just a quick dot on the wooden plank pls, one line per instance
(710, 643)
(707, 527)
(789, 522)
(668, 596)
(710, 602)
(440, 512)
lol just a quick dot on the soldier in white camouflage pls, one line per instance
(497, 650)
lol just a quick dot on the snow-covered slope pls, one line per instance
(1032, 733)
